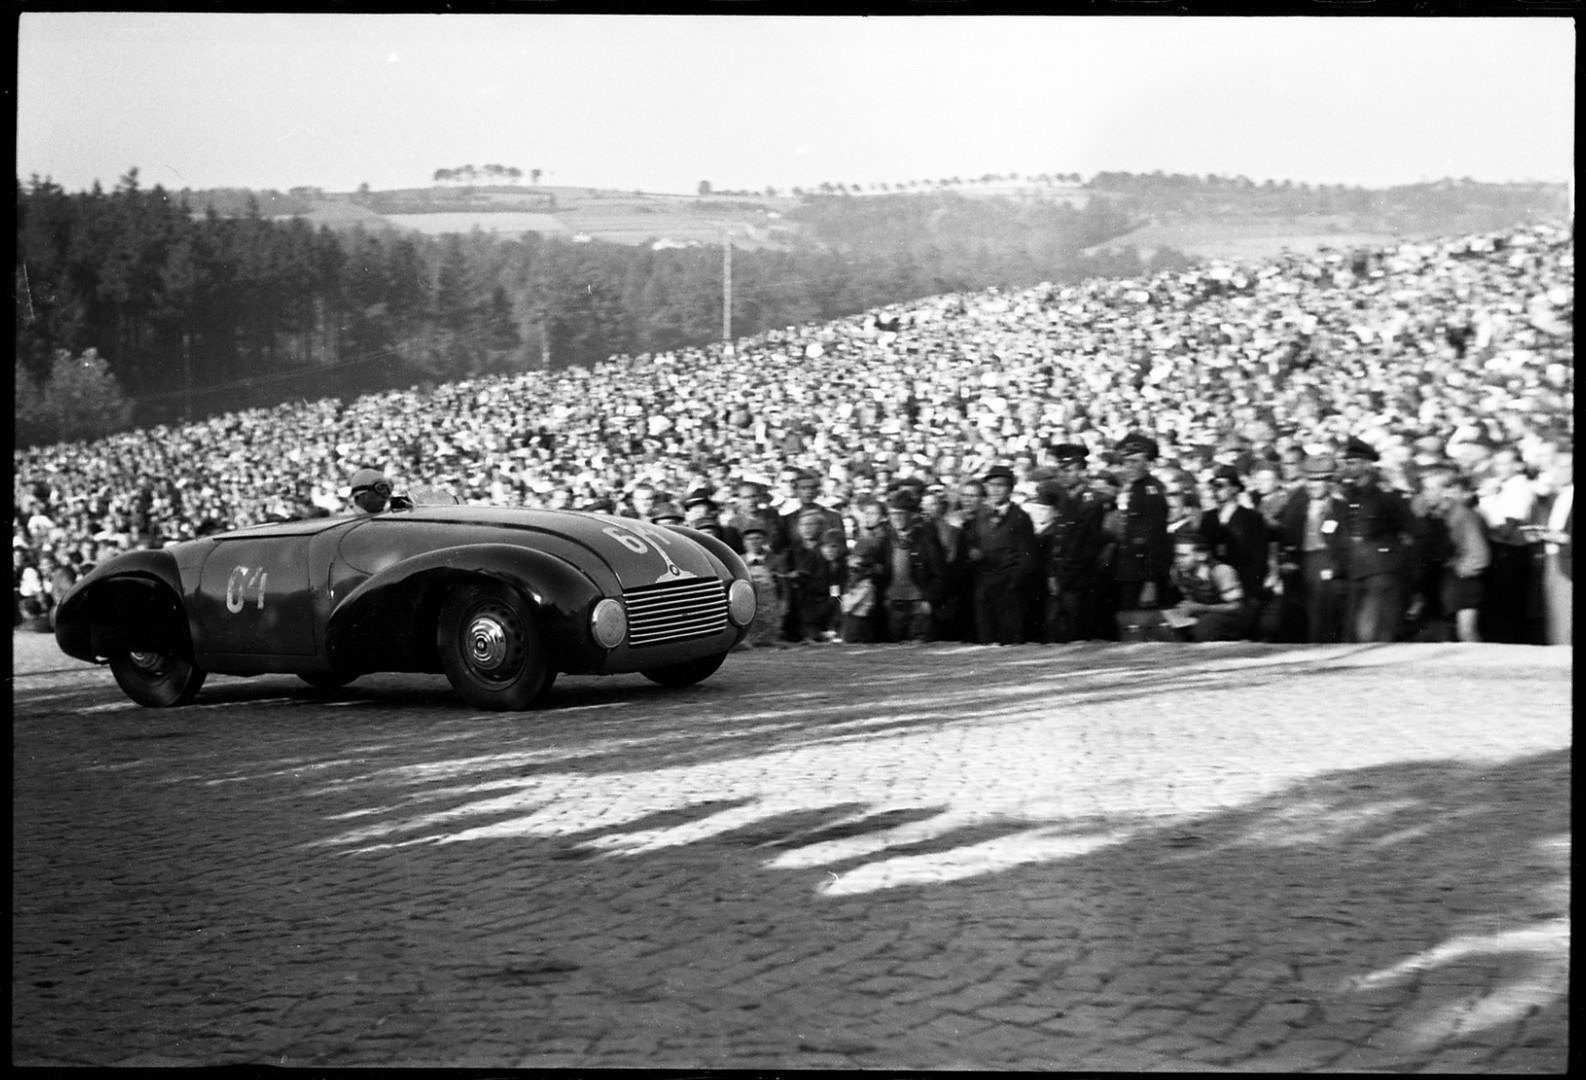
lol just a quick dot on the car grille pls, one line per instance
(675, 611)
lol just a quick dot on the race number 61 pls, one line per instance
(633, 542)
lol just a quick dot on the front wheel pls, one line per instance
(155, 679)
(490, 647)
(687, 673)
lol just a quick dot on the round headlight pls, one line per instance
(608, 623)
(740, 603)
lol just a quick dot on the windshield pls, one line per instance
(424, 495)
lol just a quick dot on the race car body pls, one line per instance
(500, 600)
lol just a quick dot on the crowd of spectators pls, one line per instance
(1055, 463)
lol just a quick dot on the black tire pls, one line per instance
(157, 680)
(327, 682)
(490, 647)
(688, 672)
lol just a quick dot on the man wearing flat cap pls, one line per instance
(1311, 555)
(1005, 540)
(1071, 572)
(1144, 560)
(1379, 530)
(912, 568)
(703, 513)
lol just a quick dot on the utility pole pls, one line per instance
(726, 291)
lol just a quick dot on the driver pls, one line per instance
(371, 491)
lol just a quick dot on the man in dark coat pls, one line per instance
(1076, 545)
(1238, 536)
(913, 569)
(949, 613)
(805, 488)
(1311, 556)
(1144, 559)
(1378, 529)
(1006, 543)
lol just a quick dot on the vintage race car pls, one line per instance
(500, 600)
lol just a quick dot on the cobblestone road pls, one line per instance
(1100, 858)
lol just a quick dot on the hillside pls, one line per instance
(571, 213)
(1214, 218)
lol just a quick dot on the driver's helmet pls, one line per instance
(370, 480)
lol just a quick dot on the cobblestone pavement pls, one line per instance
(1134, 857)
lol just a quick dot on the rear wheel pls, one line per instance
(687, 673)
(490, 647)
(156, 679)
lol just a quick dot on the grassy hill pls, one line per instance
(573, 213)
(1216, 223)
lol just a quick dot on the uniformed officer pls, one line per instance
(1378, 529)
(1144, 559)
(1076, 544)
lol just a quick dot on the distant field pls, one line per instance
(629, 217)
(507, 222)
(1240, 240)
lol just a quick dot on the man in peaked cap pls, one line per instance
(1071, 573)
(1379, 529)
(1069, 453)
(1136, 443)
(1144, 559)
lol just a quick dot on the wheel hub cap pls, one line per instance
(151, 662)
(488, 647)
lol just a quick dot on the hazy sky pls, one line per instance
(663, 102)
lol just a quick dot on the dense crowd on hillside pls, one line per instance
(1422, 394)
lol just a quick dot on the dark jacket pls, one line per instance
(1143, 552)
(1007, 548)
(1242, 543)
(1076, 539)
(1377, 525)
(927, 564)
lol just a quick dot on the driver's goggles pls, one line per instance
(382, 488)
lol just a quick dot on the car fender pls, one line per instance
(134, 601)
(387, 622)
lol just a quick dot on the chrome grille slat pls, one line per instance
(675, 611)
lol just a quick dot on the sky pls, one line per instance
(661, 103)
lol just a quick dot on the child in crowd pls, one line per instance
(861, 600)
